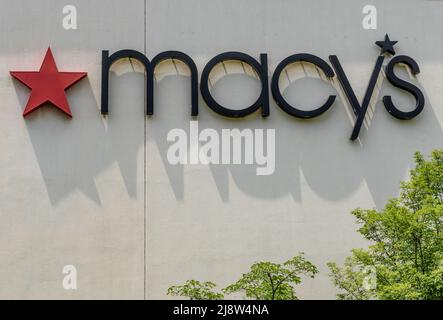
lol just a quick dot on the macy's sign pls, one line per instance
(49, 85)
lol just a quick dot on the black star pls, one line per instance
(387, 45)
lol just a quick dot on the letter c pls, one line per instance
(278, 97)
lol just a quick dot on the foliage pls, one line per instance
(350, 279)
(265, 281)
(407, 243)
(196, 290)
(271, 281)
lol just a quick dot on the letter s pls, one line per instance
(407, 86)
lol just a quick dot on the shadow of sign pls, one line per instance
(71, 153)
(312, 153)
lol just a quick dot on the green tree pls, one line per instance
(407, 244)
(271, 281)
(196, 290)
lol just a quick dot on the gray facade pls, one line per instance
(98, 192)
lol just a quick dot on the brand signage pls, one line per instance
(49, 84)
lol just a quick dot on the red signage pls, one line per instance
(48, 85)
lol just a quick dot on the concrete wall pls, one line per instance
(98, 192)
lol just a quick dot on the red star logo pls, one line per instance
(48, 85)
